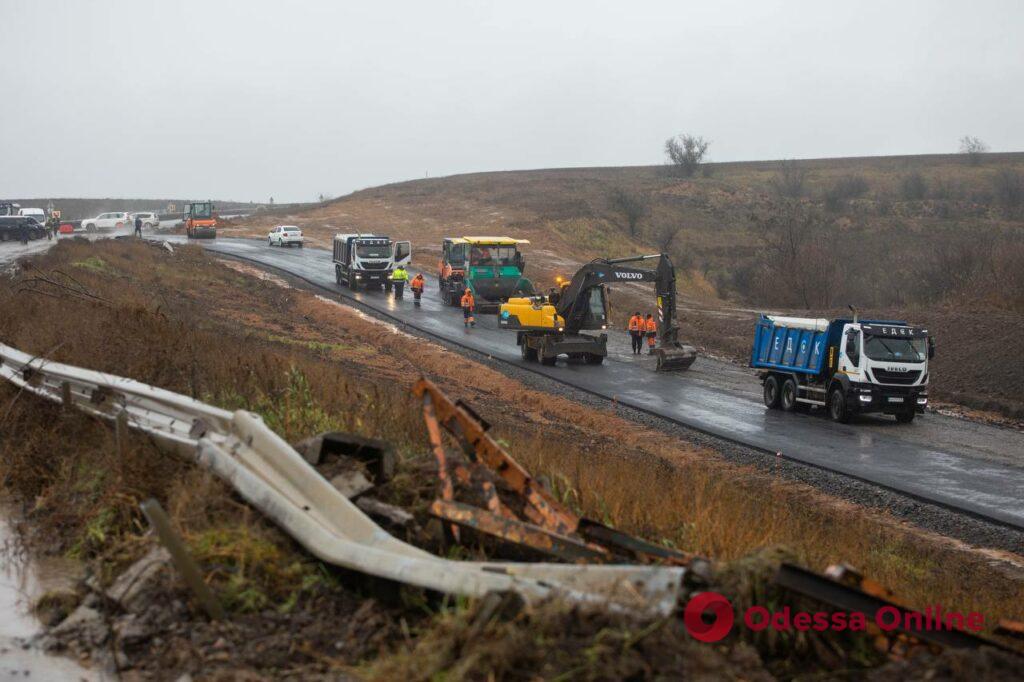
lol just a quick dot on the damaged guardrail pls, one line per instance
(268, 473)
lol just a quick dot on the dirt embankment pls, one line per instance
(185, 322)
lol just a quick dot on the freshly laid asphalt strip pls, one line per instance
(939, 474)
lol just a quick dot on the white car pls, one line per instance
(150, 221)
(285, 235)
(109, 221)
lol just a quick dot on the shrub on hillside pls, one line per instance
(686, 154)
(913, 187)
(789, 180)
(844, 189)
(1008, 188)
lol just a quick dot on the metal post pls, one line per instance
(183, 561)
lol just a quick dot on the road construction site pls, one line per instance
(112, 262)
(971, 468)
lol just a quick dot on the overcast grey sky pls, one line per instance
(247, 100)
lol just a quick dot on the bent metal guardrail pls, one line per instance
(268, 473)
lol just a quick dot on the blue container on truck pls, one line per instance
(848, 366)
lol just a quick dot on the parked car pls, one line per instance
(149, 220)
(108, 221)
(37, 213)
(285, 235)
(10, 228)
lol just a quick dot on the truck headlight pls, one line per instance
(865, 397)
(922, 401)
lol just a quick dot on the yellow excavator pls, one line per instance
(552, 325)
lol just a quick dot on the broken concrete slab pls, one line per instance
(351, 483)
(130, 585)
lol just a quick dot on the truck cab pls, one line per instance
(846, 366)
(364, 260)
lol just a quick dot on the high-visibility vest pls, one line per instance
(417, 283)
(635, 323)
(400, 275)
(467, 300)
(652, 325)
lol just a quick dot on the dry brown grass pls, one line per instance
(185, 323)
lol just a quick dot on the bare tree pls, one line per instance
(789, 181)
(686, 153)
(631, 207)
(973, 148)
(799, 256)
(664, 233)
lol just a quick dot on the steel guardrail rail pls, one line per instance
(268, 473)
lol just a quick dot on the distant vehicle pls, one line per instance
(10, 228)
(66, 228)
(108, 221)
(283, 235)
(8, 208)
(199, 220)
(845, 366)
(37, 213)
(149, 220)
(368, 259)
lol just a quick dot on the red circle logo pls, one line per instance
(708, 617)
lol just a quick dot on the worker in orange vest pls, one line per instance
(651, 327)
(467, 309)
(636, 332)
(417, 285)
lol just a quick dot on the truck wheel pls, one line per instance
(593, 359)
(787, 400)
(387, 287)
(906, 416)
(771, 392)
(529, 354)
(837, 409)
(548, 360)
(352, 284)
(337, 275)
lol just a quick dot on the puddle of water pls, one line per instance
(22, 581)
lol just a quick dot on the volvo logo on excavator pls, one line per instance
(629, 275)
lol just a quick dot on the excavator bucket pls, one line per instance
(675, 358)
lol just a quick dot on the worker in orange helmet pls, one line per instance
(651, 328)
(468, 304)
(636, 332)
(416, 285)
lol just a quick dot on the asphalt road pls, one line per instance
(951, 462)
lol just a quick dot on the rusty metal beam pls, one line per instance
(463, 424)
(518, 532)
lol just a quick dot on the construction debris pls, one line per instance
(511, 504)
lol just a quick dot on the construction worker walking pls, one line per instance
(138, 227)
(399, 276)
(468, 304)
(417, 285)
(636, 332)
(651, 328)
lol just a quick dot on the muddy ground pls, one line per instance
(237, 338)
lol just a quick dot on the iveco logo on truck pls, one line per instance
(629, 275)
(897, 368)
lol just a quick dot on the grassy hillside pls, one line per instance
(934, 239)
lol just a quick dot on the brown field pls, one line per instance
(930, 239)
(308, 364)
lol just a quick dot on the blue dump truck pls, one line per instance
(847, 366)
